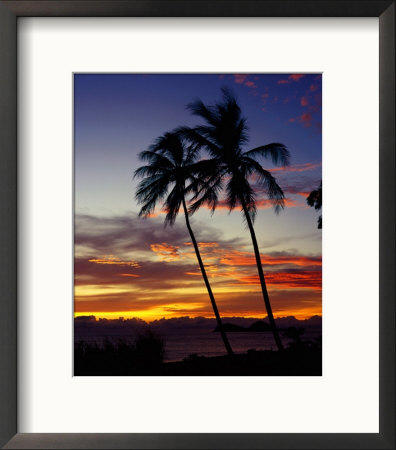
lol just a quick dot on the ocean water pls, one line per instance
(179, 345)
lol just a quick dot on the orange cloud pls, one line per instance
(297, 167)
(204, 244)
(239, 258)
(211, 269)
(260, 204)
(304, 193)
(112, 260)
(299, 279)
(153, 214)
(129, 275)
(165, 251)
(265, 204)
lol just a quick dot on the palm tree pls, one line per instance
(314, 199)
(223, 136)
(170, 166)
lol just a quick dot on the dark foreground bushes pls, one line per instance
(306, 360)
(142, 357)
(145, 357)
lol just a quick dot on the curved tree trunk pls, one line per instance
(203, 271)
(261, 276)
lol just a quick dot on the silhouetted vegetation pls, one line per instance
(298, 344)
(314, 200)
(145, 358)
(291, 362)
(294, 333)
(142, 357)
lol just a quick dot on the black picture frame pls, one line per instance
(9, 13)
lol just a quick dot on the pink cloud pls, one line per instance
(243, 79)
(240, 79)
(306, 119)
(265, 97)
(250, 84)
(296, 77)
(292, 77)
(304, 101)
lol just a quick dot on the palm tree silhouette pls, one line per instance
(170, 166)
(223, 137)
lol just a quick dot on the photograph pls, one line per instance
(197, 224)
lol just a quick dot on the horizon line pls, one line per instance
(191, 318)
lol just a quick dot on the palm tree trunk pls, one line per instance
(261, 276)
(203, 271)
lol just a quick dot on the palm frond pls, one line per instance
(191, 155)
(233, 190)
(150, 191)
(278, 153)
(207, 193)
(155, 159)
(172, 204)
(209, 113)
(169, 144)
(200, 141)
(266, 180)
(171, 165)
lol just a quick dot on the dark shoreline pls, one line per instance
(304, 361)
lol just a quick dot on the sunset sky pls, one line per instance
(133, 267)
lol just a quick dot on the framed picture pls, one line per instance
(161, 318)
(118, 313)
